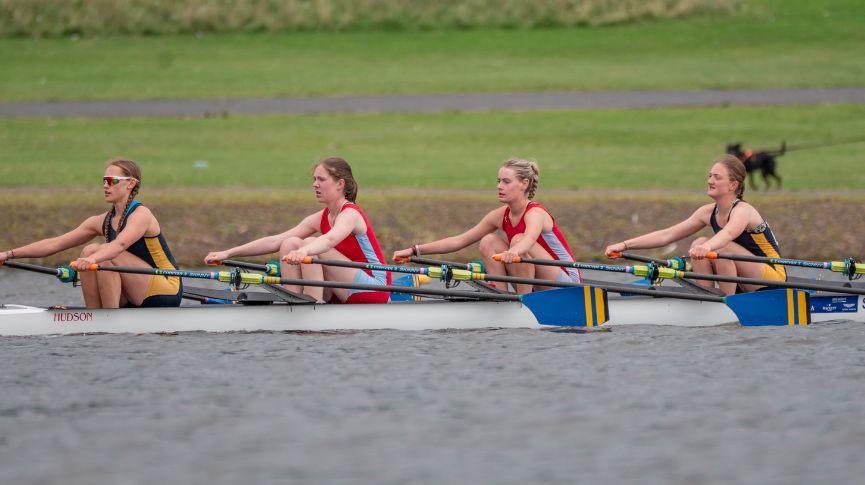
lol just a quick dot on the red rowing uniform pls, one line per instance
(552, 241)
(361, 248)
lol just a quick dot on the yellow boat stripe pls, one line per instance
(587, 303)
(599, 301)
(803, 313)
(790, 310)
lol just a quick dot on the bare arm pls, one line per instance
(698, 220)
(86, 231)
(535, 222)
(137, 224)
(268, 244)
(740, 216)
(489, 224)
(346, 222)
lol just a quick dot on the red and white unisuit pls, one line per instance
(361, 248)
(552, 241)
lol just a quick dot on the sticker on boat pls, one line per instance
(835, 304)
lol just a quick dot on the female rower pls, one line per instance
(132, 239)
(344, 233)
(530, 231)
(738, 228)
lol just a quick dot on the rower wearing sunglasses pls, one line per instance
(133, 238)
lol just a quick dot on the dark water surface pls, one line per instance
(632, 405)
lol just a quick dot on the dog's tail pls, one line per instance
(778, 152)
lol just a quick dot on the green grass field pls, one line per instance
(765, 43)
(626, 149)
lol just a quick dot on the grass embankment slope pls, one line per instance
(768, 43)
(200, 221)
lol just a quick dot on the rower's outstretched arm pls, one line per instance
(489, 224)
(697, 221)
(84, 233)
(346, 223)
(268, 244)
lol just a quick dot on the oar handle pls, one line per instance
(498, 257)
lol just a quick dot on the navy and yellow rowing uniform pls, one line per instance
(759, 241)
(164, 291)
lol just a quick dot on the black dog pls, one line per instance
(764, 161)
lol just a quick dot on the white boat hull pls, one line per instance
(427, 315)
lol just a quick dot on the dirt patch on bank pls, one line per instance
(808, 226)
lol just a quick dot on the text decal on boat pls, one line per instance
(834, 304)
(73, 317)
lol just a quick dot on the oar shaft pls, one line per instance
(612, 287)
(31, 267)
(259, 279)
(772, 283)
(464, 275)
(250, 278)
(847, 267)
(223, 276)
(369, 266)
(676, 263)
(476, 267)
(243, 264)
(577, 265)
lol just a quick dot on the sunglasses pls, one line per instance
(113, 180)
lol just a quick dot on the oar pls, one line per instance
(773, 307)
(464, 275)
(849, 267)
(473, 266)
(64, 273)
(271, 268)
(636, 270)
(593, 303)
(675, 263)
(670, 273)
(554, 307)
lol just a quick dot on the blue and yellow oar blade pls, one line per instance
(771, 307)
(569, 307)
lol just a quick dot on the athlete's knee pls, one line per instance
(290, 244)
(89, 249)
(700, 240)
(491, 244)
